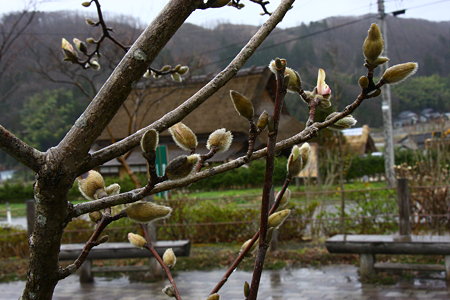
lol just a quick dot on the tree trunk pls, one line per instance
(51, 212)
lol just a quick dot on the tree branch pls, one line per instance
(114, 92)
(198, 98)
(91, 243)
(20, 150)
(135, 195)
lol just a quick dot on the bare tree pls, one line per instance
(58, 167)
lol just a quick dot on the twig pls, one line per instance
(91, 243)
(166, 269)
(118, 86)
(244, 252)
(268, 182)
(303, 136)
(20, 150)
(252, 135)
(198, 98)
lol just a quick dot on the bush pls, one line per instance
(246, 176)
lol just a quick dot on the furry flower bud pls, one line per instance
(169, 291)
(295, 83)
(344, 123)
(113, 189)
(169, 258)
(321, 87)
(136, 240)
(245, 244)
(183, 70)
(277, 218)
(184, 137)
(144, 212)
(277, 65)
(214, 296)
(149, 141)
(305, 152)
(81, 46)
(399, 72)
(246, 289)
(242, 104)
(373, 44)
(219, 140)
(94, 64)
(285, 199)
(69, 52)
(95, 216)
(86, 3)
(294, 163)
(91, 184)
(181, 166)
(262, 120)
(176, 77)
(363, 82)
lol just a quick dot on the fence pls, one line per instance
(315, 213)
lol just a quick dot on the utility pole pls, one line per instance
(389, 159)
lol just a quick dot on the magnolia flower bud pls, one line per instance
(344, 123)
(363, 82)
(295, 83)
(113, 189)
(285, 199)
(262, 120)
(95, 216)
(94, 64)
(380, 60)
(321, 87)
(136, 240)
(276, 219)
(169, 258)
(220, 140)
(147, 74)
(149, 141)
(294, 163)
(90, 40)
(181, 166)
(183, 70)
(245, 244)
(69, 52)
(86, 3)
(305, 152)
(81, 46)
(218, 3)
(176, 77)
(144, 212)
(399, 72)
(242, 104)
(90, 184)
(184, 137)
(246, 289)
(166, 68)
(169, 291)
(214, 296)
(90, 22)
(373, 44)
(277, 65)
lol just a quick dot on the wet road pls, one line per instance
(330, 282)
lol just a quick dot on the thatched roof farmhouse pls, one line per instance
(146, 105)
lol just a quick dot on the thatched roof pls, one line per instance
(359, 140)
(256, 83)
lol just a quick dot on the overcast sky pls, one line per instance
(304, 10)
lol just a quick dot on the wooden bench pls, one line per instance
(117, 251)
(367, 246)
